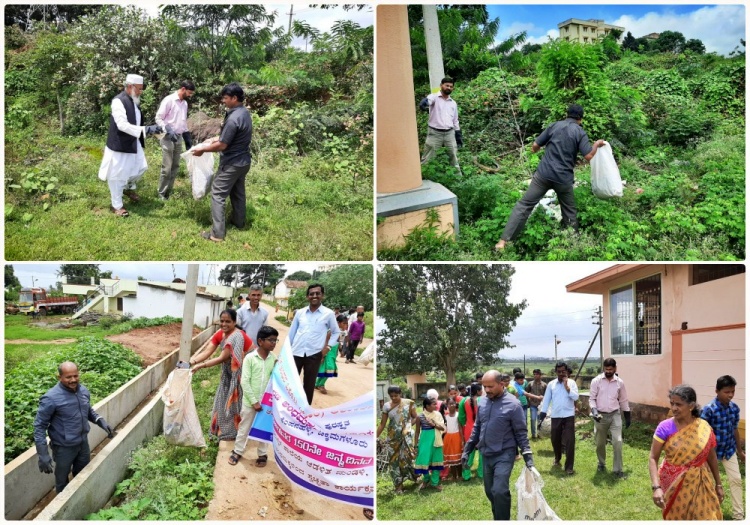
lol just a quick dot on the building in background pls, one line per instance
(585, 31)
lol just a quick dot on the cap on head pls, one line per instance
(134, 79)
(575, 111)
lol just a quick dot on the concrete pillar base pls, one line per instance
(399, 213)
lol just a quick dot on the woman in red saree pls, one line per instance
(687, 485)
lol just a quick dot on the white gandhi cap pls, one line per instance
(134, 79)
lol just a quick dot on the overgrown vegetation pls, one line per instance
(104, 367)
(312, 133)
(165, 482)
(675, 118)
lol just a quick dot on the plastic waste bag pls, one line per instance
(531, 502)
(545, 430)
(367, 356)
(605, 175)
(181, 424)
(201, 171)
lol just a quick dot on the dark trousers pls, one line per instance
(310, 364)
(67, 457)
(352, 348)
(228, 182)
(496, 477)
(531, 198)
(564, 433)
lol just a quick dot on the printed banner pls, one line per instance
(328, 451)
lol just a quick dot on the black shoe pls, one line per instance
(620, 475)
(601, 468)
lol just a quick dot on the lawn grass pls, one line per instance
(297, 210)
(16, 354)
(20, 327)
(588, 495)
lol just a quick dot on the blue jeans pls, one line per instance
(534, 410)
(497, 471)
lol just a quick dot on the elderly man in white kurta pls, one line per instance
(124, 161)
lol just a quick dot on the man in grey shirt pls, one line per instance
(250, 316)
(234, 145)
(499, 430)
(563, 140)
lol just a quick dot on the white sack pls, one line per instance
(181, 424)
(201, 171)
(531, 502)
(367, 356)
(605, 175)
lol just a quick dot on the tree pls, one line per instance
(629, 43)
(79, 273)
(348, 285)
(695, 45)
(105, 275)
(444, 316)
(670, 42)
(263, 274)
(11, 281)
(299, 275)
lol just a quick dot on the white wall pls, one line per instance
(157, 302)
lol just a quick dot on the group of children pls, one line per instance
(351, 333)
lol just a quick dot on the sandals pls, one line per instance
(121, 212)
(323, 390)
(132, 195)
(209, 237)
(234, 458)
(261, 461)
(369, 514)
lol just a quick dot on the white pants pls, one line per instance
(247, 417)
(117, 187)
(732, 468)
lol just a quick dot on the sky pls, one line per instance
(719, 27)
(320, 19)
(45, 274)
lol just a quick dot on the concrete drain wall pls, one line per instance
(25, 485)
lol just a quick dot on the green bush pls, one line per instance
(104, 366)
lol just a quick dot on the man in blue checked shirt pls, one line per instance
(562, 393)
(724, 417)
(312, 328)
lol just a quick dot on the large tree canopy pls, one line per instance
(345, 286)
(444, 316)
(79, 273)
(265, 274)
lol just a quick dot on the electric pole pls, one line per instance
(291, 14)
(434, 49)
(599, 322)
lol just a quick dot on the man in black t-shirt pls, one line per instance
(234, 163)
(563, 140)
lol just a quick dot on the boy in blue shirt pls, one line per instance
(724, 417)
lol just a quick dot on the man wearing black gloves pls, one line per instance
(500, 429)
(443, 129)
(609, 405)
(64, 412)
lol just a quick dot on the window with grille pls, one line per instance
(703, 273)
(635, 318)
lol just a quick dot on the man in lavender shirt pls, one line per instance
(443, 129)
(172, 116)
(609, 404)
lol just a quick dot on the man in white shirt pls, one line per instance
(442, 126)
(312, 328)
(172, 116)
(124, 161)
(250, 316)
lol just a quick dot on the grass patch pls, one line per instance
(21, 327)
(291, 215)
(17, 354)
(588, 495)
(165, 482)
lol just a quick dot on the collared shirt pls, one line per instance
(500, 425)
(236, 133)
(251, 321)
(256, 372)
(173, 113)
(563, 402)
(563, 140)
(608, 395)
(724, 420)
(537, 389)
(443, 112)
(64, 414)
(307, 334)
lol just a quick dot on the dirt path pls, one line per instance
(247, 492)
(152, 343)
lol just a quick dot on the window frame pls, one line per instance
(634, 316)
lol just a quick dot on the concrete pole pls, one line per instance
(188, 312)
(434, 49)
(397, 142)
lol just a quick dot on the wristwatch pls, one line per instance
(654, 487)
